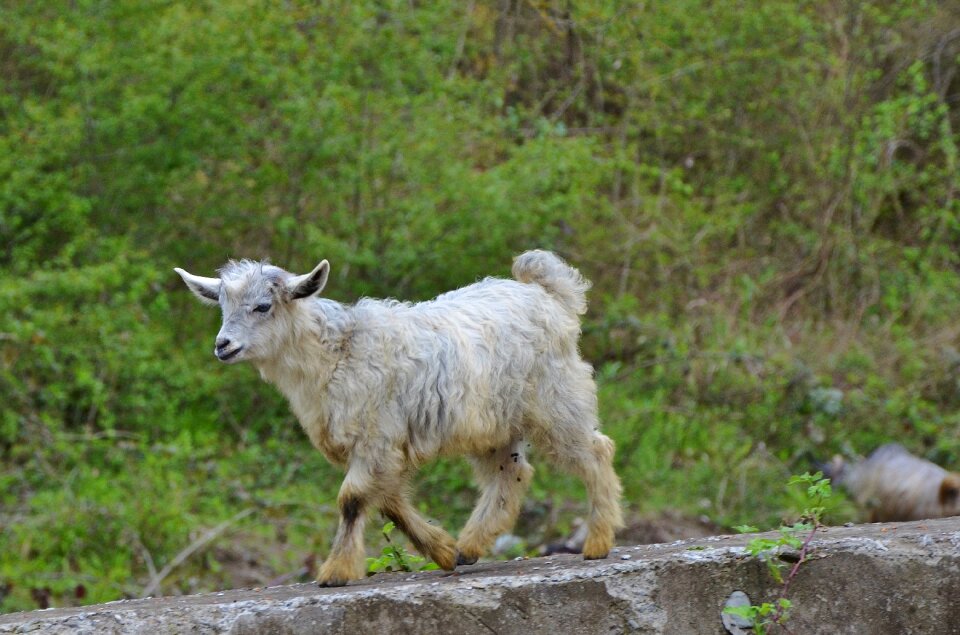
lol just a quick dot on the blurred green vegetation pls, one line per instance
(764, 194)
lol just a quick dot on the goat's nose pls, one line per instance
(222, 343)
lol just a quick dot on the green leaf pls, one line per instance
(746, 612)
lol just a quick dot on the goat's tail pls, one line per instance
(553, 274)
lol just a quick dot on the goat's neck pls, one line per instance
(308, 357)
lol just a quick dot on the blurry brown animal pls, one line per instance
(894, 485)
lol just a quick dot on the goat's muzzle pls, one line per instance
(224, 351)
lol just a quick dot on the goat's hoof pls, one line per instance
(337, 573)
(465, 560)
(597, 548)
(445, 555)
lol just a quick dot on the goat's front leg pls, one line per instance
(429, 540)
(347, 556)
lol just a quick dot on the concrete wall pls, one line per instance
(883, 578)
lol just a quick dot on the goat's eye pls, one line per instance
(261, 308)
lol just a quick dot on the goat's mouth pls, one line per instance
(225, 356)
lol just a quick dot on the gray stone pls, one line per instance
(882, 578)
(736, 624)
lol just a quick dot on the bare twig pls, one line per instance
(147, 558)
(97, 436)
(547, 20)
(192, 548)
(461, 40)
(286, 577)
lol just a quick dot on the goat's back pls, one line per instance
(460, 368)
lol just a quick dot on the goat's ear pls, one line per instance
(949, 490)
(206, 289)
(309, 283)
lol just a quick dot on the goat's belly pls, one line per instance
(477, 435)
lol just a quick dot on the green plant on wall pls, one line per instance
(393, 557)
(791, 548)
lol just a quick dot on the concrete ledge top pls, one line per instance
(879, 578)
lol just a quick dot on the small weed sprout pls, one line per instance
(776, 552)
(394, 557)
(763, 615)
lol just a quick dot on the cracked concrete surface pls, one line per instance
(880, 578)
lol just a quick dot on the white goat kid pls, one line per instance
(381, 387)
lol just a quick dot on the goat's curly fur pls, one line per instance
(382, 386)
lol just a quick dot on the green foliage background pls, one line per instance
(764, 194)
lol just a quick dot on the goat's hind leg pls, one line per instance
(503, 475)
(603, 487)
(590, 457)
(571, 438)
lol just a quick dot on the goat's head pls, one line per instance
(256, 300)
